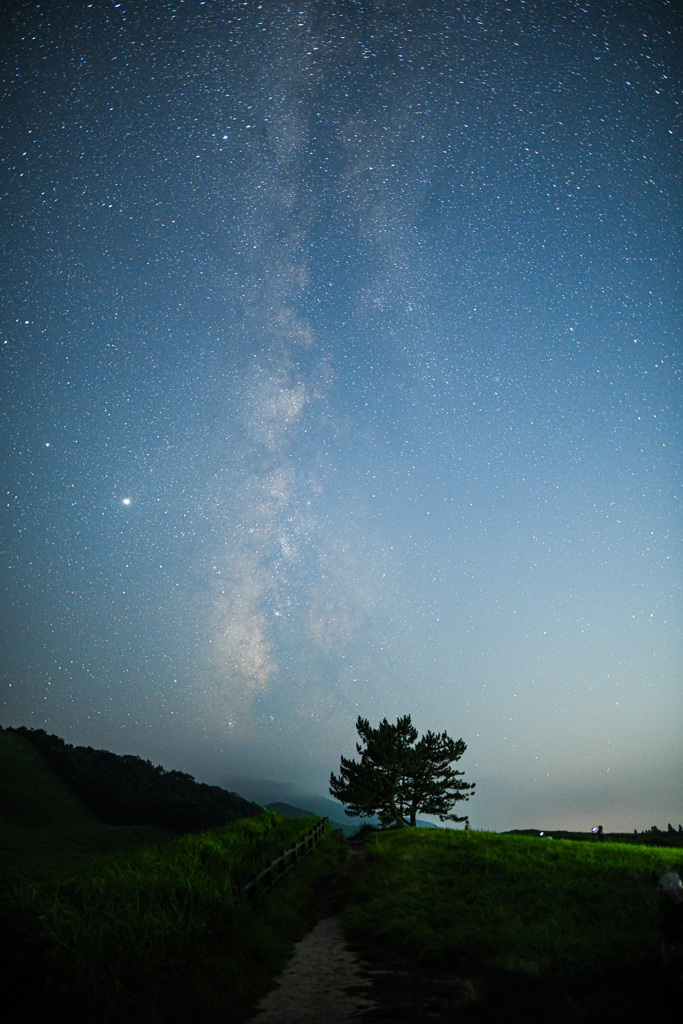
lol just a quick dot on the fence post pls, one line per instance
(276, 869)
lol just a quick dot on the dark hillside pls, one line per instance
(45, 828)
(127, 790)
(289, 810)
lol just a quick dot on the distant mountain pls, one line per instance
(271, 791)
(289, 811)
(268, 792)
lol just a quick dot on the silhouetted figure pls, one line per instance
(671, 937)
(600, 834)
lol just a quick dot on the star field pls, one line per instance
(342, 374)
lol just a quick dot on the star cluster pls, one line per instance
(342, 374)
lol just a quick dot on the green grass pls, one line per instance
(126, 924)
(499, 923)
(45, 828)
(160, 934)
(129, 924)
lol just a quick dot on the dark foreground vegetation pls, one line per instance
(162, 934)
(498, 928)
(45, 828)
(155, 934)
(111, 924)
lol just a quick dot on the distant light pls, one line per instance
(126, 501)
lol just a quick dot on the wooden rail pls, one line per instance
(275, 870)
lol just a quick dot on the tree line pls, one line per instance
(124, 789)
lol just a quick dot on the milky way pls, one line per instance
(342, 374)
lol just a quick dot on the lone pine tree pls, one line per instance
(399, 776)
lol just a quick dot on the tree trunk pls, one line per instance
(398, 817)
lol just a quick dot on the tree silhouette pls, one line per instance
(123, 789)
(399, 776)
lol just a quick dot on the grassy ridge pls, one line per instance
(125, 789)
(45, 827)
(490, 925)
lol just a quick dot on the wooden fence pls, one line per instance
(276, 869)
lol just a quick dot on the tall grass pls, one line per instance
(160, 934)
(550, 920)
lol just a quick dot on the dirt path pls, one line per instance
(324, 980)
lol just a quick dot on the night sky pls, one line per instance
(341, 374)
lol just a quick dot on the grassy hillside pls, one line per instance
(161, 934)
(125, 789)
(132, 923)
(45, 828)
(486, 928)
